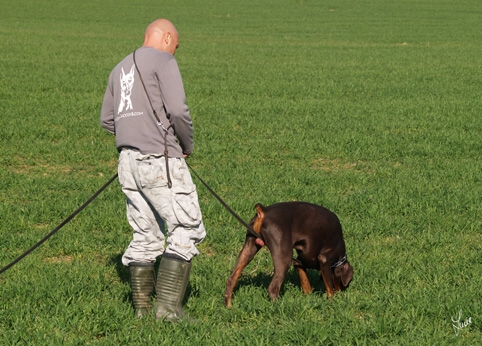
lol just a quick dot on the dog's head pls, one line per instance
(342, 275)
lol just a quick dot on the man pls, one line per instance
(145, 108)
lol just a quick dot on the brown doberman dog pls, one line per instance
(313, 231)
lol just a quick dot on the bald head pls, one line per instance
(161, 34)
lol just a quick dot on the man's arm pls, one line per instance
(107, 111)
(174, 98)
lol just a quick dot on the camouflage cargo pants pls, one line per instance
(155, 211)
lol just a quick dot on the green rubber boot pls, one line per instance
(142, 286)
(172, 280)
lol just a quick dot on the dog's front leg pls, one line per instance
(245, 256)
(326, 275)
(328, 280)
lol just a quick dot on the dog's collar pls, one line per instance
(340, 262)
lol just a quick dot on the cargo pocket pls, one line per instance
(185, 205)
(152, 173)
(124, 172)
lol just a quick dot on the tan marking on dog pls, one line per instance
(305, 282)
(259, 219)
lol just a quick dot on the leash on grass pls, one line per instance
(250, 229)
(94, 196)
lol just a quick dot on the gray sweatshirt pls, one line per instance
(126, 111)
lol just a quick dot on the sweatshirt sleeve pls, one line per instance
(107, 111)
(174, 98)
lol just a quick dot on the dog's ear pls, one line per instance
(344, 273)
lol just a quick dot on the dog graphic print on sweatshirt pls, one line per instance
(126, 83)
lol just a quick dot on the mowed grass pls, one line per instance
(370, 108)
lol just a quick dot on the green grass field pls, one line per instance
(370, 108)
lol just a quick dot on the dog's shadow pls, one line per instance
(124, 276)
(264, 279)
(258, 280)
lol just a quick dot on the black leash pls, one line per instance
(95, 195)
(250, 229)
(59, 226)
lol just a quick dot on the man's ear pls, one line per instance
(168, 38)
